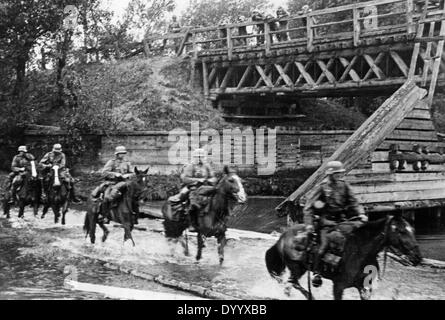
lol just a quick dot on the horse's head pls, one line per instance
(141, 179)
(231, 185)
(401, 239)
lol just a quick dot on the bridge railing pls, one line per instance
(354, 22)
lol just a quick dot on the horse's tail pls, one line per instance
(274, 261)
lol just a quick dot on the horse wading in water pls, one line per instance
(360, 250)
(28, 194)
(133, 190)
(212, 221)
(58, 195)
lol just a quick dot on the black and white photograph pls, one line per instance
(240, 152)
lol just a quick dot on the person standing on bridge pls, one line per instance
(282, 13)
(258, 16)
(173, 27)
(242, 31)
(335, 202)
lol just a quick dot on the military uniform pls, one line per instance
(58, 158)
(21, 163)
(340, 204)
(173, 27)
(112, 173)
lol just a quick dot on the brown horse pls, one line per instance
(29, 194)
(360, 251)
(134, 190)
(212, 223)
(58, 195)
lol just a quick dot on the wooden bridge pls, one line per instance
(368, 48)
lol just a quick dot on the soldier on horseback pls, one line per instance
(195, 177)
(21, 163)
(333, 202)
(116, 171)
(57, 158)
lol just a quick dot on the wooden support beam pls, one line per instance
(349, 71)
(427, 60)
(244, 77)
(226, 79)
(212, 76)
(416, 51)
(283, 75)
(400, 63)
(303, 72)
(310, 33)
(267, 38)
(374, 66)
(229, 44)
(326, 72)
(267, 72)
(437, 62)
(266, 80)
(356, 26)
(205, 79)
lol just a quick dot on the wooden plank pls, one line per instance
(416, 50)
(302, 70)
(384, 167)
(309, 33)
(413, 135)
(401, 196)
(212, 76)
(244, 77)
(349, 65)
(419, 114)
(400, 63)
(283, 75)
(417, 124)
(375, 177)
(374, 67)
(326, 72)
(398, 186)
(408, 146)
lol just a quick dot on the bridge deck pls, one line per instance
(358, 49)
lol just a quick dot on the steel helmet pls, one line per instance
(57, 147)
(334, 167)
(120, 150)
(23, 149)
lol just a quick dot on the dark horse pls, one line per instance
(360, 250)
(58, 195)
(29, 194)
(134, 190)
(214, 221)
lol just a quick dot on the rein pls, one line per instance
(384, 233)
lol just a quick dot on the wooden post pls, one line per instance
(310, 33)
(267, 38)
(356, 27)
(205, 79)
(409, 16)
(193, 63)
(229, 43)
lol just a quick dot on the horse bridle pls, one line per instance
(385, 234)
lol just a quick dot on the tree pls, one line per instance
(22, 23)
(210, 12)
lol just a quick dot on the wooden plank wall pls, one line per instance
(380, 184)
